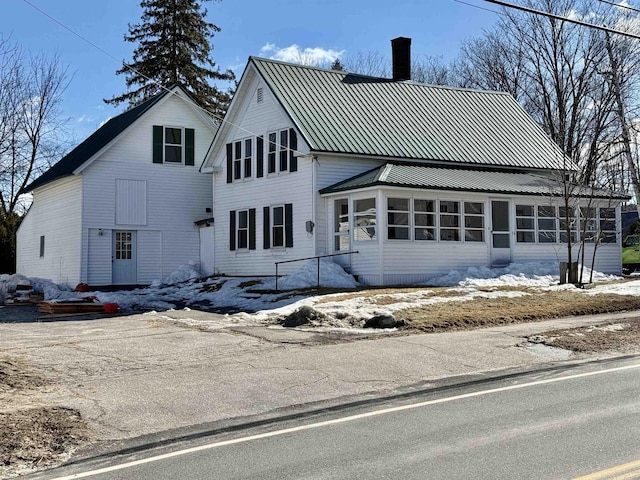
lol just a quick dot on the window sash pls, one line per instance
(173, 144)
(277, 226)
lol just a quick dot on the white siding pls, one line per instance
(149, 250)
(271, 190)
(55, 214)
(100, 250)
(176, 195)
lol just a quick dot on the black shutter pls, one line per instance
(260, 157)
(252, 229)
(232, 230)
(229, 162)
(189, 147)
(288, 225)
(158, 143)
(266, 228)
(293, 145)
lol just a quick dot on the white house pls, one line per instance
(122, 207)
(416, 179)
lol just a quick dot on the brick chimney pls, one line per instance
(401, 52)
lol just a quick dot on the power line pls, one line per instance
(564, 19)
(478, 7)
(620, 5)
(155, 82)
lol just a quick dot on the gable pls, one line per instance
(102, 138)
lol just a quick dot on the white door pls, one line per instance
(124, 269)
(341, 233)
(207, 263)
(500, 233)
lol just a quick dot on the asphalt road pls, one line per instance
(555, 425)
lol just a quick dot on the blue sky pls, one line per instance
(327, 26)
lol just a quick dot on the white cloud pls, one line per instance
(313, 56)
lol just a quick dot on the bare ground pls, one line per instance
(621, 337)
(33, 436)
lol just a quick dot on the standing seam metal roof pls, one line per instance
(463, 179)
(341, 112)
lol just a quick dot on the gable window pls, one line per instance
(41, 246)
(242, 229)
(174, 145)
(281, 150)
(278, 226)
(239, 159)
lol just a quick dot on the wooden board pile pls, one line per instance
(75, 306)
(23, 295)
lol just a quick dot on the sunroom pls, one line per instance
(410, 223)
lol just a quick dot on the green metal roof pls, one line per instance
(95, 142)
(342, 112)
(463, 179)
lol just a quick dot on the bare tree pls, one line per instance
(31, 133)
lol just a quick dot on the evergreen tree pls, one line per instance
(337, 65)
(173, 47)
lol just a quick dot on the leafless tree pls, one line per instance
(31, 127)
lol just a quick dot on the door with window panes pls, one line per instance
(124, 262)
(500, 233)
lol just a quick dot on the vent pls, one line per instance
(260, 95)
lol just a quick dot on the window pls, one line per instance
(242, 229)
(281, 150)
(525, 224)
(271, 155)
(398, 218)
(173, 145)
(449, 221)
(473, 222)
(364, 219)
(124, 246)
(247, 158)
(568, 221)
(239, 159)
(278, 226)
(284, 150)
(608, 225)
(547, 224)
(424, 219)
(41, 246)
(588, 224)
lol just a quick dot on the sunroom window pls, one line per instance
(364, 219)
(398, 218)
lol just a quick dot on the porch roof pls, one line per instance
(467, 180)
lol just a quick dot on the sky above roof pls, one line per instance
(282, 29)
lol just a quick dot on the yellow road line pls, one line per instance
(620, 469)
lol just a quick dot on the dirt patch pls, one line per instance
(16, 374)
(485, 312)
(622, 337)
(33, 436)
(38, 438)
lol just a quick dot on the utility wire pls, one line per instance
(158, 84)
(564, 19)
(478, 7)
(620, 5)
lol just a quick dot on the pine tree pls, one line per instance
(173, 47)
(337, 65)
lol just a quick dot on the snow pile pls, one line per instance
(514, 274)
(331, 276)
(183, 274)
(51, 291)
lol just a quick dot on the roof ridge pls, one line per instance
(345, 73)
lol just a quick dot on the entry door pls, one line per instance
(500, 233)
(341, 234)
(124, 261)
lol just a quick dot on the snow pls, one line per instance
(254, 301)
